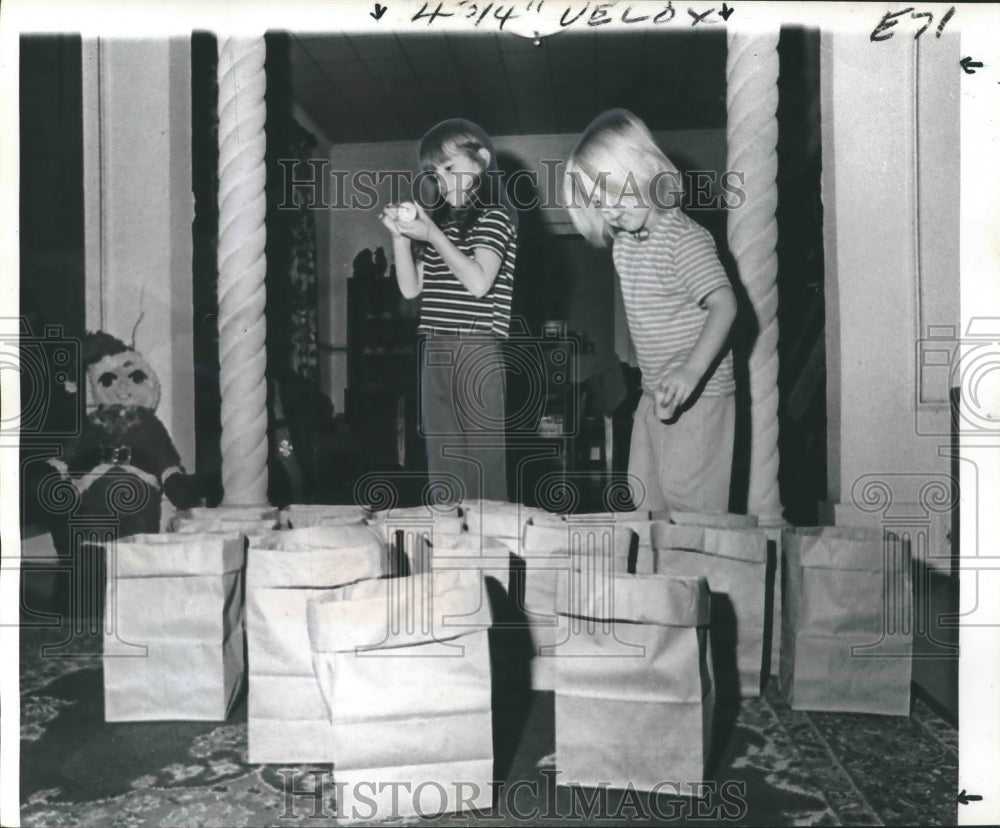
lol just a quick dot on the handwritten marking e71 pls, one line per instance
(891, 19)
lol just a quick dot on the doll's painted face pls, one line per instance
(123, 379)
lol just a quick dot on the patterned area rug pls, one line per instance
(775, 766)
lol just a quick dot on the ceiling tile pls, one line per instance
(307, 74)
(422, 45)
(297, 55)
(526, 61)
(347, 74)
(328, 48)
(453, 88)
(383, 120)
(435, 71)
(389, 72)
(669, 57)
(404, 83)
(572, 45)
(478, 64)
(508, 42)
(317, 92)
(472, 44)
(489, 89)
(376, 47)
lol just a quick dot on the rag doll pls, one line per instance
(123, 460)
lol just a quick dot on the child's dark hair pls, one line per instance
(443, 141)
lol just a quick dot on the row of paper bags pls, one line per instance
(733, 563)
(335, 675)
(841, 636)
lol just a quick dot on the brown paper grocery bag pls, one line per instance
(223, 518)
(728, 520)
(173, 638)
(201, 526)
(249, 520)
(550, 551)
(640, 522)
(633, 679)
(499, 519)
(405, 669)
(717, 520)
(735, 563)
(409, 535)
(230, 513)
(487, 555)
(286, 716)
(423, 512)
(303, 515)
(848, 621)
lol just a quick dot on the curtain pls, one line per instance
(303, 295)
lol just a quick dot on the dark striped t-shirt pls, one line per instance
(447, 305)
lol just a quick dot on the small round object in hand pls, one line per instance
(406, 211)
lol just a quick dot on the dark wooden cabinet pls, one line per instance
(382, 374)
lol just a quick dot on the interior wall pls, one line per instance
(354, 229)
(892, 275)
(137, 154)
(891, 209)
(591, 305)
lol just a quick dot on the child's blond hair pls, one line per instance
(618, 154)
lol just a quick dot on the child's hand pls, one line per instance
(413, 222)
(674, 390)
(389, 217)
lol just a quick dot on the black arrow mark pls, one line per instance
(726, 11)
(969, 65)
(963, 797)
(379, 11)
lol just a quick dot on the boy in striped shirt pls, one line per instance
(680, 308)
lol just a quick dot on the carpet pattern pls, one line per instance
(787, 767)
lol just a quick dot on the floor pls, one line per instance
(774, 765)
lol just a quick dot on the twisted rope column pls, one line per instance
(752, 133)
(242, 329)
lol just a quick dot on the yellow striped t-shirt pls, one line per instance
(665, 279)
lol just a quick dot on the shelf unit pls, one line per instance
(382, 376)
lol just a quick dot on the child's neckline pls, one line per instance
(657, 217)
(653, 223)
